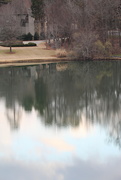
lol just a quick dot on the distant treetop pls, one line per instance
(4, 1)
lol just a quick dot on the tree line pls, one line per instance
(86, 26)
(83, 22)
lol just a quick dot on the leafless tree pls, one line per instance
(10, 26)
(58, 19)
(99, 17)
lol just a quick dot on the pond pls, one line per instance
(61, 121)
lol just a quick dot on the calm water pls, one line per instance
(61, 122)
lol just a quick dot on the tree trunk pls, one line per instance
(10, 49)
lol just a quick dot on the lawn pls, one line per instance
(26, 53)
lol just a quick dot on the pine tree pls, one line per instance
(38, 12)
(37, 8)
(4, 1)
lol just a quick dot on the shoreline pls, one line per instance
(49, 60)
(38, 55)
(33, 61)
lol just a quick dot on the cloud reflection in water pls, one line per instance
(88, 170)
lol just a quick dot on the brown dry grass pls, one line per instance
(26, 53)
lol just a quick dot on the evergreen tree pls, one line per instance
(37, 8)
(4, 2)
(38, 12)
(36, 36)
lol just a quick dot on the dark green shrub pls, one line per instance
(31, 44)
(21, 45)
(26, 37)
(29, 36)
(36, 36)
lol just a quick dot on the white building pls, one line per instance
(21, 10)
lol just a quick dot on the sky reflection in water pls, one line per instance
(36, 151)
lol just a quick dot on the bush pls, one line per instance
(36, 36)
(20, 45)
(103, 49)
(61, 53)
(108, 48)
(31, 44)
(72, 54)
(83, 44)
(29, 36)
(100, 48)
(26, 37)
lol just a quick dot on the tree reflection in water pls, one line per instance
(62, 93)
(14, 115)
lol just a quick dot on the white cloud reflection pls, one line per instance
(58, 144)
(87, 170)
(36, 152)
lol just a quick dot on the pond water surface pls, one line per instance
(61, 121)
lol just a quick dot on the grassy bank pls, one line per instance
(26, 53)
(38, 54)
